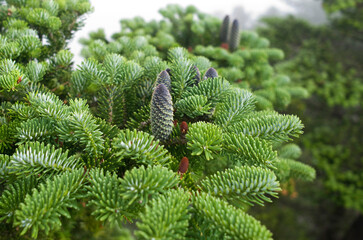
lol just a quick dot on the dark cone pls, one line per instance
(210, 73)
(223, 35)
(168, 71)
(197, 76)
(164, 78)
(161, 113)
(234, 39)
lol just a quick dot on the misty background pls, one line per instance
(107, 14)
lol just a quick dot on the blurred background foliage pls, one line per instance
(326, 59)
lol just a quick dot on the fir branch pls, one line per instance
(140, 147)
(193, 106)
(182, 71)
(37, 129)
(166, 217)
(105, 194)
(299, 170)
(139, 184)
(204, 138)
(250, 149)
(271, 127)
(215, 89)
(247, 184)
(234, 108)
(4, 167)
(55, 195)
(36, 158)
(48, 105)
(290, 150)
(14, 195)
(81, 128)
(233, 222)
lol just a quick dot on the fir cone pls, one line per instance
(164, 78)
(161, 113)
(168, 70)
(234, 39)
(223, 35)
(210, 73)
(197, 76)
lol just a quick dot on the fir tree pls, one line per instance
(112, 145)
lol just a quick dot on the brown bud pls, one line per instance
(184, 127)
(19, 80)
(225, 46)
(183, 166)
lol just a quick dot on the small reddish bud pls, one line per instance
(184, 127)
(183, 166)
(190, 49)
(294, 195)
(284, 192)
(83, 204)
(65, 101)
(19, 80)
(225, 46)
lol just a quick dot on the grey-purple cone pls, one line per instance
(197, 75)
(223, 35)
(164, 78)
(161, 113)
(234, 39)
(210, 73)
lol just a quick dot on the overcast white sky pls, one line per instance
(108, 13)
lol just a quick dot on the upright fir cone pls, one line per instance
(168, 70)
(197, 75)
(164, 78)
(234, 39)
(210, 73)
(161, 113)
(223, 35)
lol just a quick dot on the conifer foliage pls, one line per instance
(136, 138)
(243, 57)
